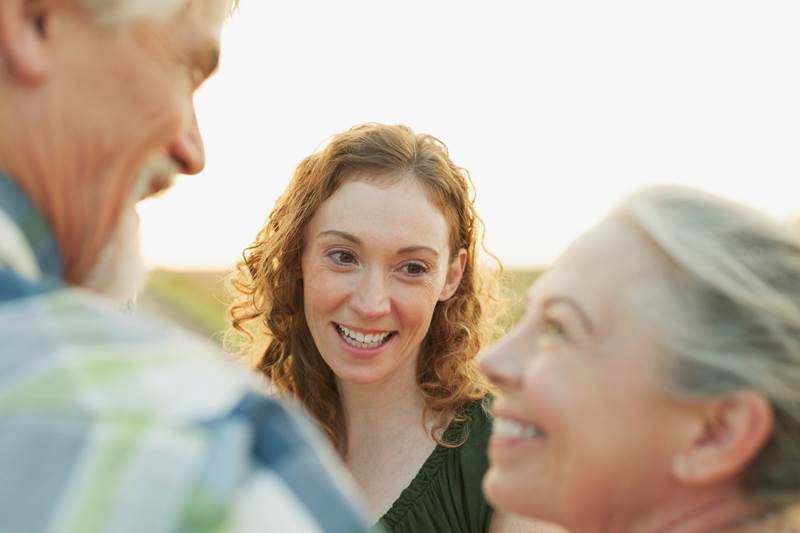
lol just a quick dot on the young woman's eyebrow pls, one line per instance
(418, 248)
(342, 234)
(355, 240)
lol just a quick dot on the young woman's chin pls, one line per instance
(359, 377)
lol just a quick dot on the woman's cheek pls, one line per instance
(546, 389)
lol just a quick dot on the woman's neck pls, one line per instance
(383, 409)
(387, 441)
(725, 510)
(393, 402)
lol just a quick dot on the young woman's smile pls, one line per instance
(376, 261)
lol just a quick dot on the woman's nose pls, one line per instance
(371, 297)
(503, 362)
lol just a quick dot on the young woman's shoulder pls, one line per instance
(468, 463)
(446, 495)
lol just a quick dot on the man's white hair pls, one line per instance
(120, 272)
(111, 12)
(729, 317)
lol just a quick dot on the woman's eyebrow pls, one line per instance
(576, 307)
(417, 248)
(355, 240)
(342, 234)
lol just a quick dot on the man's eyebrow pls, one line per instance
(211, 56)
(576, 307)
(207, 54)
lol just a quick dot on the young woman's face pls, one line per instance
(375, 262)
(583, 432)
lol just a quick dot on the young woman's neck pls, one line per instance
(383, 410)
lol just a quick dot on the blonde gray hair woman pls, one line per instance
(654, 384)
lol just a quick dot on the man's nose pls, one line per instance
(371, 297)
(187, 150)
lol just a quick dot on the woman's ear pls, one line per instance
(728, 434)
(23, 32)
(454, 273)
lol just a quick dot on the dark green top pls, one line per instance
(445, 496)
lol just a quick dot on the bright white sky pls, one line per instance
(557, 108)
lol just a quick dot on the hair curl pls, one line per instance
(267, 311)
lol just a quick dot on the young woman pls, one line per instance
(365, 301)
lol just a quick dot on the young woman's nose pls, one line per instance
(371, 296)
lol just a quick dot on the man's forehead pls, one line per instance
(204, 17)
(199, 24)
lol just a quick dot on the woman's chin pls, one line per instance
(507, 492)
(359, 377)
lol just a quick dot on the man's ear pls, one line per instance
(23, 30)
(454, 273)
(727, 435)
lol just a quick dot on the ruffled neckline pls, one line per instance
(428, 472)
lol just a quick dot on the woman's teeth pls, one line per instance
(504, 427)
(362, 340)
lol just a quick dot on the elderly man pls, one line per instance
(108, 422)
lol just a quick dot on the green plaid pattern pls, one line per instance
(113, 423)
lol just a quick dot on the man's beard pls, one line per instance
(120, 272)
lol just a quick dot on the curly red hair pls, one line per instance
(268, 287)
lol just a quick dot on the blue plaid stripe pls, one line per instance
(113, 423)
(36, 229)
(303, 472)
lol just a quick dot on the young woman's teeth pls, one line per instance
(504, 427)
(361, 340)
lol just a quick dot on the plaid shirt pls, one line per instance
(111, 423)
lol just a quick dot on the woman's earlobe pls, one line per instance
(729, 434)
(455, 272)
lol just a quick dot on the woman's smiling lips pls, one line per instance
(361, 342)
(510, 434)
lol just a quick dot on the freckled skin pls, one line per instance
(373, 284)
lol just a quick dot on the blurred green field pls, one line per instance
(197, 300)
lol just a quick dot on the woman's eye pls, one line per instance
(553, 328)
(342, 257)
(415, 269)
(552, 335)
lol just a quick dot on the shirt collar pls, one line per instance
(36, 229)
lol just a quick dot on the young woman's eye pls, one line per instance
(415, 269)
(342, 257)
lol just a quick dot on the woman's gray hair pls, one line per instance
(731, 319)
